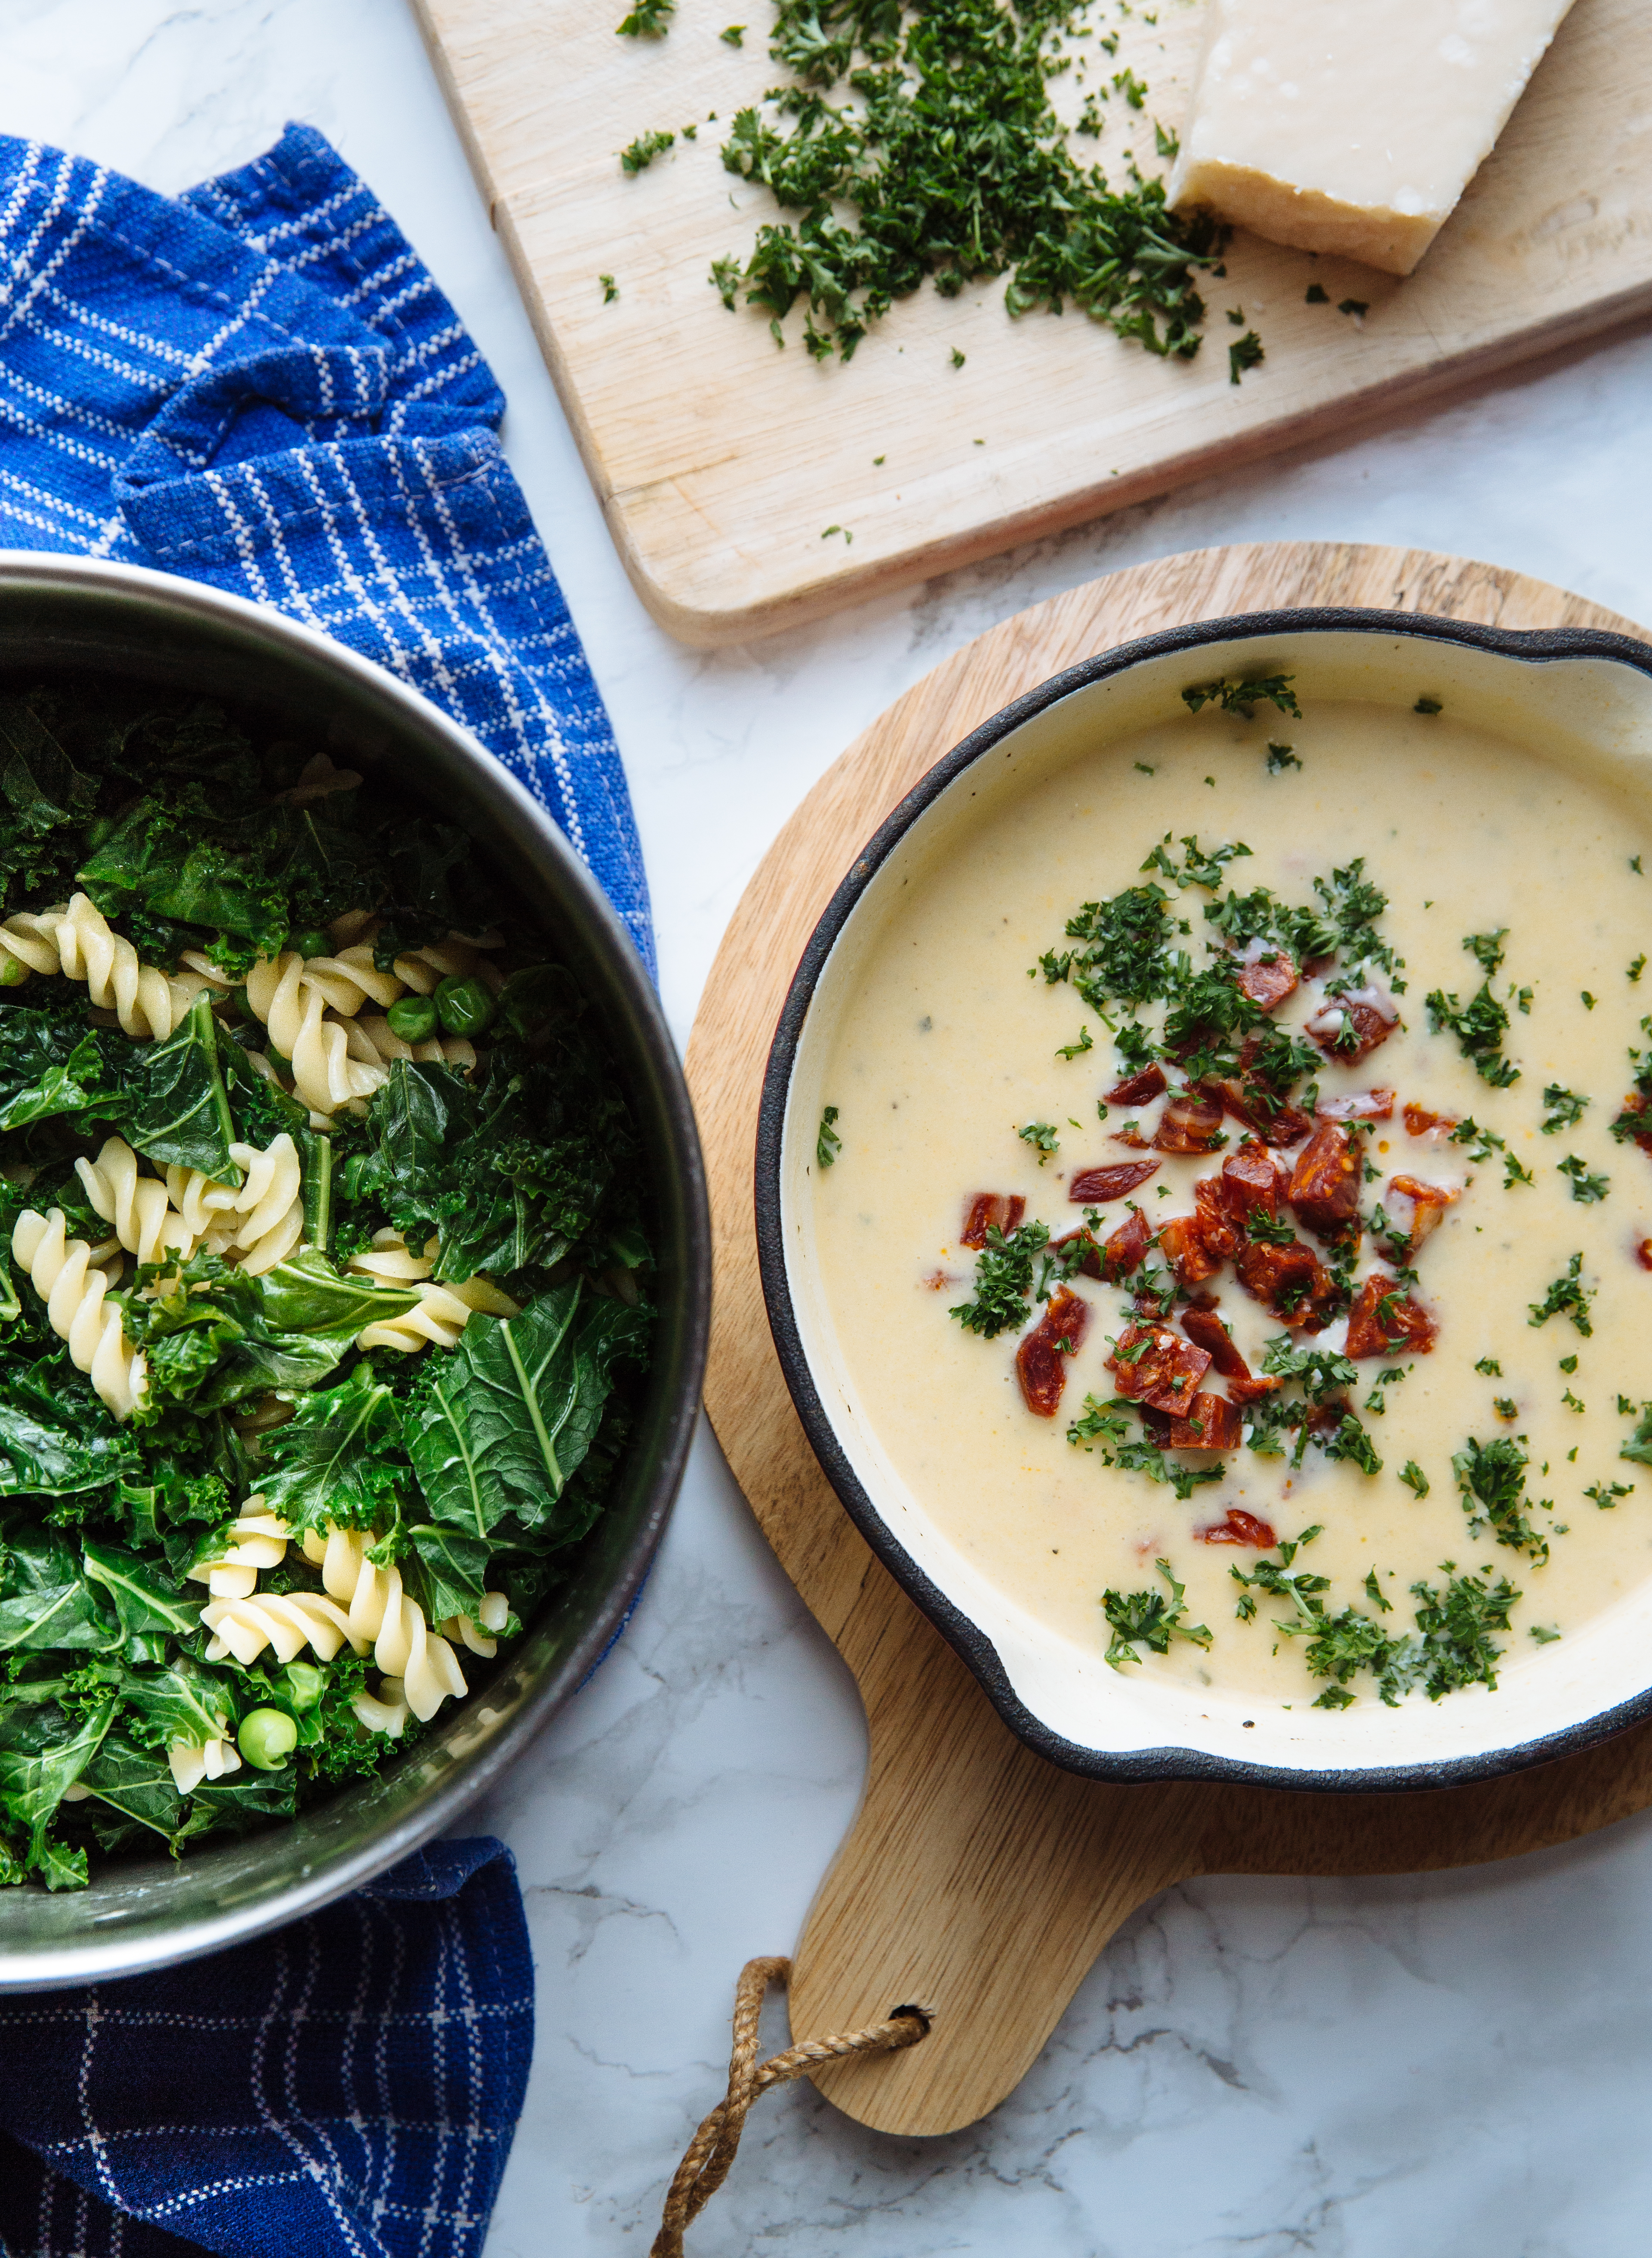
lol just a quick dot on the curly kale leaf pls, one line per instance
(339, 1458)
(501, 1424)
(45, 1600)
(56, 1438)
(42, 1754)
(213, 1335)
(47, 799)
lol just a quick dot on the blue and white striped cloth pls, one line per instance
(260, 386)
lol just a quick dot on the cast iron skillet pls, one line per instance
(958, 1627)
(73, 615)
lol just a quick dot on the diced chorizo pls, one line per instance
(1152, 1366)
(1429, 1204)
(1240, 1528)
(1324, 1186)
(1359, 1105)
(1247, 1390)
(1136, 1088)
(1183, 1243)
(1267, 976)
(1290, 1281)
(990, 1211)
(1207, 1329)
(1041, 1360)
(1189, 1124)
(1260, 1108)
(1126, 1249)
(1384, 1319)
(1251, 1179)
(1210, 1423)
(1420, 1123)
(1643, 1253)
(1348, 1028)
(1100, 1185)
(1222, 1236)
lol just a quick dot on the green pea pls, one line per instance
(100, 829)
(413, 1017)
(313, 941)
(13, 971)
(305, 1684)
(463, 1006)
(268, 1737)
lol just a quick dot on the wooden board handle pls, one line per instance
(1000, 1880)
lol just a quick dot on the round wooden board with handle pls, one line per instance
(978, 1881)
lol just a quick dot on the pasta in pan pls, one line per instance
(319, 1196)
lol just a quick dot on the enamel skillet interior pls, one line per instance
(70, 617)
(1581, 699)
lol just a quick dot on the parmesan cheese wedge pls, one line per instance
(1353, 126)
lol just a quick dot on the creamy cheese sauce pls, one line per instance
(947, 1048)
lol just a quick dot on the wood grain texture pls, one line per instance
(977, 1880)
(720, 463)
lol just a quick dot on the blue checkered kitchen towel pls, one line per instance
(260, 386)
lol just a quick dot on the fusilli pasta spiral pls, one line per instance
(64, 1271)
(491, 1616)
(144, 1220)
(287, 1621)
(258, 1540)
(78, 942)
(210, 1760)
(292, 1006)
(404, 1646)
(442, 1313)
(260, 1220)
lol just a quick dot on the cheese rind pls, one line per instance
(1353, 126)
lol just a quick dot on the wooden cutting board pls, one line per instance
(721, 463)
(978, 1881)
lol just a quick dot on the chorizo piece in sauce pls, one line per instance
(1152, 1366)
(1097, 1186)
(1211, 1424)
(1324, 1187)
(1136, 1088)
(1240, 1528)
(1384, 1319)
(1189, 1124)
(1042, 1358)
(990, 1211)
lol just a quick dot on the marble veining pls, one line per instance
(1459, 2063)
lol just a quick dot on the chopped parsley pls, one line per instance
(1004, 1280)
(1281, 757)
(1428, 706)
(1335, 1646)
(1489, 1368)
(638, 155)
(1561, 1107)
(828, 1144)
(1516, 1173)
(1456, 1623)
(1487, 948)
(1356, 306)
(1202, 868)
(1483, 1142)
(1112, 1426)
(610, 289)
(1041, 1136)
(1243, 695)
(1413, 1478)
(1605, 1495)
(1639, 1446)
(1316, 294)
(1244, 353)
(1149, 1619)
(958, 358)
(649, 19)
(948, 160)
(1567, 1296)
(1479, 1026)
(1492, 1478)
(1085, 1042)
(1584, 1188)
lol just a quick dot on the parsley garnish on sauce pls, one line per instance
(1567, 1296)
(828, 1144)
(1042, 1138)
(1492, 1478)
(1149, 1619)
(1479, 1026)
(1243, 696)
(1584, 1188)
(1004, 1280)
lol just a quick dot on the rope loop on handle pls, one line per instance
(706, 2160)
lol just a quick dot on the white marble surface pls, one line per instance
(1458, 2064)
